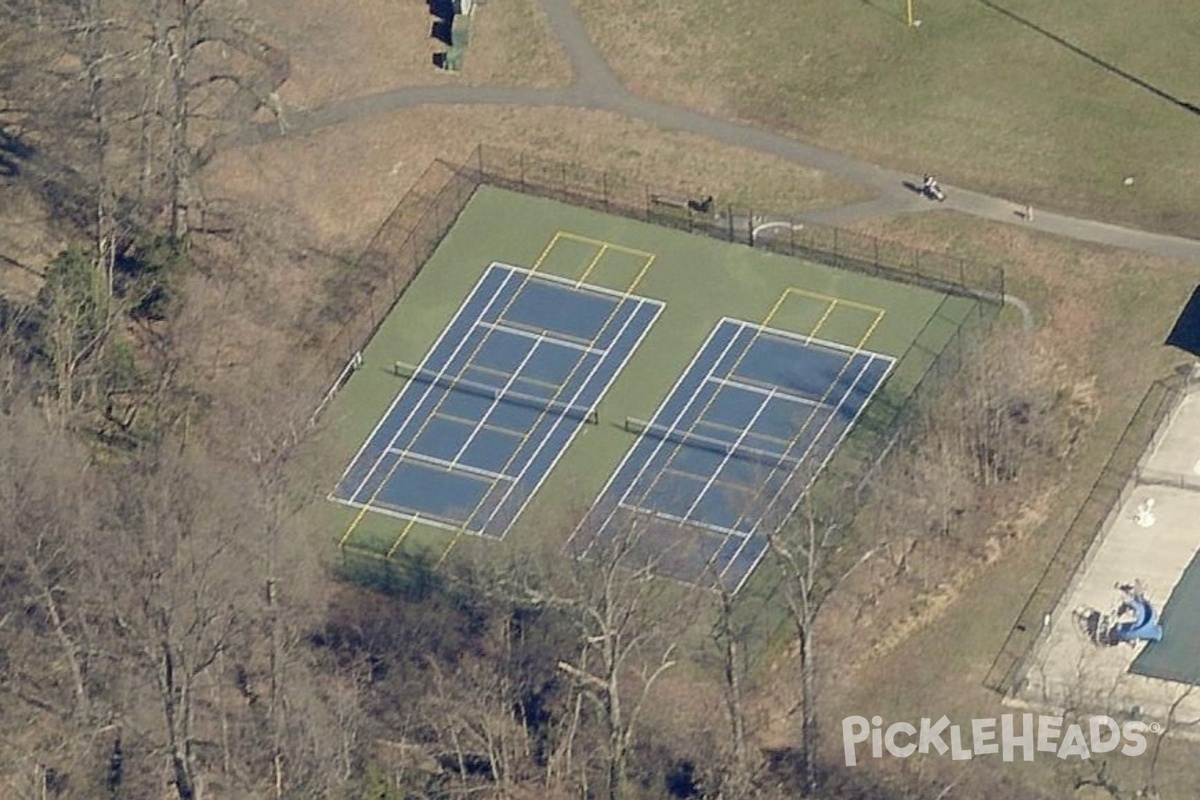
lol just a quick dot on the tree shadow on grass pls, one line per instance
(12, 152)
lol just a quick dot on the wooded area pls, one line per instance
(170, 622)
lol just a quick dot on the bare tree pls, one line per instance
(809, 553)
(173, 572)
(628, 623)
(729, 635)
(50, 670)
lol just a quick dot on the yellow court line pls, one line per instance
(826, 298)
(546, 251)
(504, 374)
(537, 264)
(774, 310)
(566, 382)
(821, 322)
(396, 545)
(475, 423)
(633, 251)
(599, 254)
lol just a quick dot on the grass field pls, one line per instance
(981, 93)
(700, 280)
(1086, 300)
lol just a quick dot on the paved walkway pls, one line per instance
(597, 87)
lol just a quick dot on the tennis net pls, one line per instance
(583, 414)
(689, 439)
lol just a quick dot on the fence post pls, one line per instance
(729, 219)
(604, 188)
(479, 164)
(521, 168)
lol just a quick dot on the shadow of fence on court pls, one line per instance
(1121, 473)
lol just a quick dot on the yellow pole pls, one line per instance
(910, 13)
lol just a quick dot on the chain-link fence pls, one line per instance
(393, 257)
(688, 211)
(1120, 475)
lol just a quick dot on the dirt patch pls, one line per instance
(342, 50)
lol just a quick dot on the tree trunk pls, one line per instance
(808, 697)
(738, 781)
(69, 650)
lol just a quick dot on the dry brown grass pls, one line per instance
(1057, 126)
(1103, 314)
(313, 202)
(341, 50)
(339, 184)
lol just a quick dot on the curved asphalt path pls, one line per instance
(596, 87)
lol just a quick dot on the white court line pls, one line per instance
(871, 358)
(499, 326)
(429, 388)
(778, 395)
(758, 413)
(675, 426)
(683, 521)
(423, 518)
(495, 403)
(646, 462)
(807, 341)
(579, 426)
(825, 426)
(546, 277)
(474, 472)
(799, 462)
(399, 394)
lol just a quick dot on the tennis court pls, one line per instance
(506, 387)
(469, 419)
(730, 450)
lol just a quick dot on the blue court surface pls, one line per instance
(731, 450)
(497, 400)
